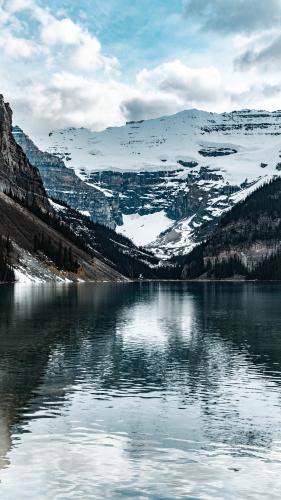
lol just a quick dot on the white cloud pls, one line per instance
(194, 84)
(17, 5)
(18, 47)
(85, 51)
(71, 100)
(88, 55)
(171, 87)
(61, 31)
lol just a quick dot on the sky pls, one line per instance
(100, 63)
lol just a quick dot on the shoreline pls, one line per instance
(56, 283)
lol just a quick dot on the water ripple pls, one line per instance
(154, 392)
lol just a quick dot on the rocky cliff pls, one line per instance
(17, 175)
(35, 243)
(62, 183)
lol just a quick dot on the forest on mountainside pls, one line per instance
(231, 251)
(6, 271)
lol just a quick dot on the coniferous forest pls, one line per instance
(252, 225)
(6, 248)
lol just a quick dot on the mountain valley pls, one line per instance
(41, 240)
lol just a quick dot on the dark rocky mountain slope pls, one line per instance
(113, 248)
(36, 244)
(246, 244)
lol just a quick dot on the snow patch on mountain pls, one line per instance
(172, 242)
(162, 143)
(144, 229)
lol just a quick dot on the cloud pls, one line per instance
(18, 47)
(84, 49)
(171, 87)
(189, 84)
(259, 95)
(70, 100)
(89, 56)
(17, 5)
(234, 16)
(143, 107)
(83, 87)
(267, 57)
(61, 31)
(253, 27)
(70, 84)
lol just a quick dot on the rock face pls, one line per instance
(146, 192)
(190, 167)
(24, 228)
(17, 175)
(36, 244)
(62, 183)
(199, 196)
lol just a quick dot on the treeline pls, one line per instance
(257, 219)
(268, 270)
(228, 268)
(6, 271)
(52, 220)
(58, 253)
(265, 200)
(130, 260)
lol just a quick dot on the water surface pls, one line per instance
(147, 391)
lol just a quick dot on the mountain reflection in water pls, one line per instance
(150, 390)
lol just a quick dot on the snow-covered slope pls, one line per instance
(187, 136)
(193, 166)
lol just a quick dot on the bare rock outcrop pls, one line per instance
(17, 175)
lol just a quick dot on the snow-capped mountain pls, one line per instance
(174, 175)
(61, 183)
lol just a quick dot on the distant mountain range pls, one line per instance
(221, 204)
(166, 182)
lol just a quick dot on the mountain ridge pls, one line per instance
(174, 175)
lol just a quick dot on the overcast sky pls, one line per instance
(96, 63)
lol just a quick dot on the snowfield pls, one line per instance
(160, 144)
(144, 229)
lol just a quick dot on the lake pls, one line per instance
(140, 391)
